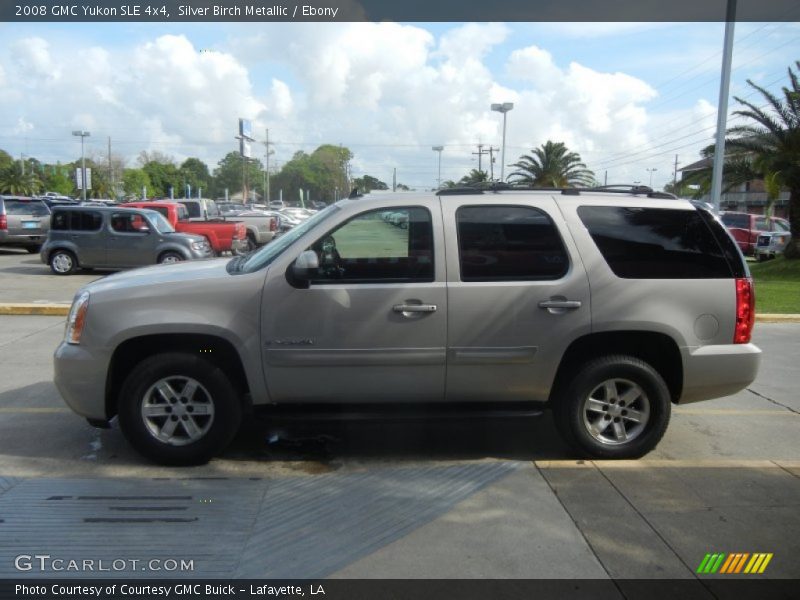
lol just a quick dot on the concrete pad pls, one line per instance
(781, 346)
(624, 542)
(515, 528)
(24, 278)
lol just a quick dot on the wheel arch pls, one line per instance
(214, 348)
(657, 349)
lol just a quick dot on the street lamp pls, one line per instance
(503, 108)
(651, 171)
(82, 135)
(439, 150)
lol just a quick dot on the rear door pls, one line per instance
(84, 229)
(517, 296)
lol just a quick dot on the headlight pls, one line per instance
(77, 319)
(200, 246)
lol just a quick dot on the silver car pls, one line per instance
(95, 237)
(606, 307)
(23, 222)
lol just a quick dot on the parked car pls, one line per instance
(745, 228)
(227, 209)
(23, 222)
(51, 202)
(771, 243)
(222, 235)
(262, 227)
(606, 308)
(202, 209)
(95, 237)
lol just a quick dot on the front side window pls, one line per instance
(129, 223)
(379, 246)
(655, 243)
(509, 243)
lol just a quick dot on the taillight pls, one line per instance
(273, 224)
(745, 311)
(3, 222)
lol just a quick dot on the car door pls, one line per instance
(130, 241)
(517, 296)
(83, 228)
(371, 326)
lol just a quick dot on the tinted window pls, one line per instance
(378, 246)
(734, 220)
(508, 243)
(162, 210)
(193, 209)
(76, 220)
(655, 243)
(129, 223)
(23, 207)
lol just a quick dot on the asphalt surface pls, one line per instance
(468, 499)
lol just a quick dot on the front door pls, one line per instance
(517, 297)
(130, 241)
(371, 326)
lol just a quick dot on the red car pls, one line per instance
(745, 228)
(223, 236)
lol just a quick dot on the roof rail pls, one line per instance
(495, 186)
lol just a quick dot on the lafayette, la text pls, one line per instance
(147, 590)
(250, 10)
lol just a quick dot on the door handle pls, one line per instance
(414, 308)
(547, 304)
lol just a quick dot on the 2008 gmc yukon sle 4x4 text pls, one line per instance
(604, 307)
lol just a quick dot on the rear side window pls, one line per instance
(76, 220)
(162, 210)
(193, 209)
(508, 243)
(23, 207)
(655, 243)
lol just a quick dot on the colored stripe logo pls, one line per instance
(737, 562)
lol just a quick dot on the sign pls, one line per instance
(79, 179)
(246, 129)
(244, 148)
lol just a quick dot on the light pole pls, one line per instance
(651, 171)
(439, 179)
(503, 108)
(82, 134)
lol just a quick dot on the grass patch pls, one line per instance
(777, 285)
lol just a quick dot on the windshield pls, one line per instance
(159, 222)
(268, 253)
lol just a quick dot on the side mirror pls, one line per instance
(304, 268)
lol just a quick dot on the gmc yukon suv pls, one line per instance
(606, 308)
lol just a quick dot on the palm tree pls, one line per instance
(13, 181)
(773, 142)
(551, 165)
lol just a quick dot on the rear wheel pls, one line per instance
(63, 262)
(178, 409)
(170, 257)
(616, 407)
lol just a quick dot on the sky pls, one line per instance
(628, 97)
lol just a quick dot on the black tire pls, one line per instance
(33, 249)
(170, 256)
(63, 262)
(214, 386)
(251, 243)
(574, 419)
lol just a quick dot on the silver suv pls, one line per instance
(23, 222)
(604, 307)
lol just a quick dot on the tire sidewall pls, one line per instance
(71, 257)
(227, 408)
(569, 408)
(169, 253)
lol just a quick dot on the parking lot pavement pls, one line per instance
(39, 284)
(473, 498)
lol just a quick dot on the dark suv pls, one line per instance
(23, 222)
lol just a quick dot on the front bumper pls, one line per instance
(80, 376)
(716, 371)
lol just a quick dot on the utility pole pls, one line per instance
(111, 169)
(394, 180)
(491, 152)
(722, 106)
(480, 154)
(439, 179)
(605, 178)
(675, 175)
(267, 152)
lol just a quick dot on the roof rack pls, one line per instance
(495, 186)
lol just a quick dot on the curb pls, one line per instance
(62, 310)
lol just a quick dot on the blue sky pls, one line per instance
(627, 97)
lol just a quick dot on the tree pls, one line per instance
(772, 139)
(367, 183)
(322, 173)
(195, 173)
(133, 181)
(228, 175)
(551, 165)
(6, 160)
(13, 181)
(56, 179)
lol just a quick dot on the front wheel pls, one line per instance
(615, 407)
(178, 409)
(169, 258)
